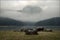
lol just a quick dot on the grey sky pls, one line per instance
(50, 8)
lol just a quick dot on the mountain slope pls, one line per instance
(9, 22)
(49, 22)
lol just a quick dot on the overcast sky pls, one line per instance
(50, 9)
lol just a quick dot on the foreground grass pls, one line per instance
(10, 35)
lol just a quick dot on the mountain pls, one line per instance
(49, 22)
(9, 22)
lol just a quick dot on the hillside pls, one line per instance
(49, 22)
(9, 22)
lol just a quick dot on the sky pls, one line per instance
(9, 8)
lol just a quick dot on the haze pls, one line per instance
(50, 9)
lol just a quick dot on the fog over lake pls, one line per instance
(12, 9)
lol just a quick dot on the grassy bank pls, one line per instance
(10, 35)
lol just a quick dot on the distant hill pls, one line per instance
(49, 22)
(9, 22)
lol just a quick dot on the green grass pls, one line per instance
(10, 35)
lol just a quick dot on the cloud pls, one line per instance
(31, 9)
(51, 9)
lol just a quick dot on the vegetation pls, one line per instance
(10, 35)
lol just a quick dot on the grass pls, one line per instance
(10, 35)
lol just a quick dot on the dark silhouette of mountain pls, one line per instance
(9, 22)
(49, 22)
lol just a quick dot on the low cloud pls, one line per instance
(31, 9)
(51, 10)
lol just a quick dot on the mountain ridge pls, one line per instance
(9, 22)
(49, 22)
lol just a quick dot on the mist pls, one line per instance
(11, 8)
